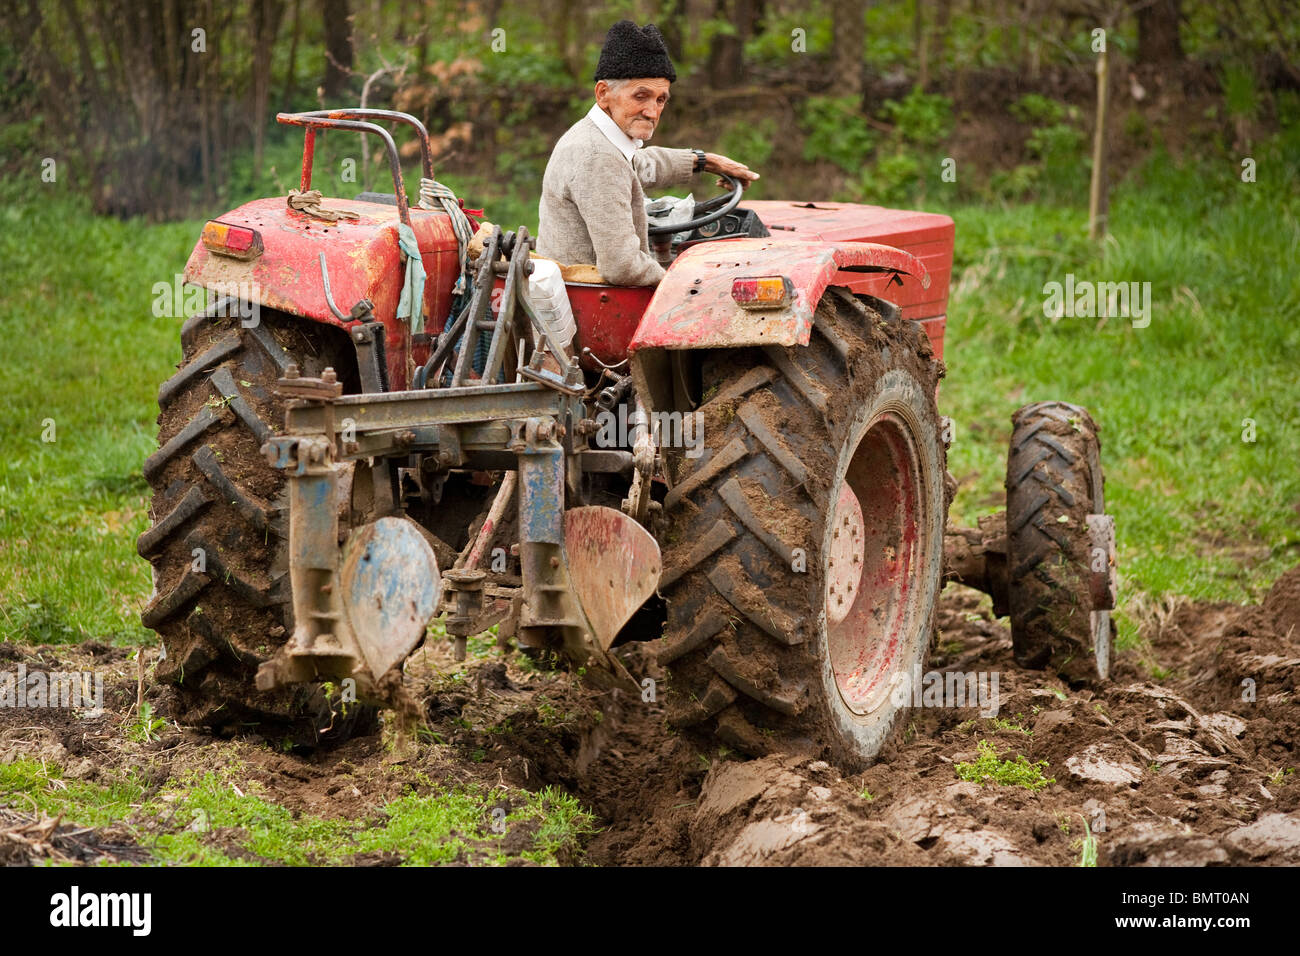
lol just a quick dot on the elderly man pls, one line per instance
(593, 201)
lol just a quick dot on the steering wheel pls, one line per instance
(714, 209)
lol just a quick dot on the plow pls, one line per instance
(744, 466)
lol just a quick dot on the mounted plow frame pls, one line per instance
(360, 609)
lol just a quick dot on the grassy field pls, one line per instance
(1200, 511)
(427, 826)
(86, 356)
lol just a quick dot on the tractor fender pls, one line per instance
(362, 257)
(693, 309)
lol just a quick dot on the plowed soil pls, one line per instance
(1191, 768)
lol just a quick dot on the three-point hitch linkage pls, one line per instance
(362, 607)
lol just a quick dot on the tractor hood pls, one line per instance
(693, 306)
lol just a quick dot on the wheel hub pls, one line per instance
(874, 555)
(844, 573)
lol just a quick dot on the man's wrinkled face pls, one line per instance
(635, 105)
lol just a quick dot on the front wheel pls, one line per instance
(803, 557)
(1060, 560)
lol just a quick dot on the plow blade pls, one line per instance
(614, 564)
(391, 585)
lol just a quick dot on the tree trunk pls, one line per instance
(266, 15)
(338, 47)
(940, 32)
(849, 33)
(291, 71)
(671, 25)
(727, 54)
(570, 29)
(1158, 39)
(919, 42)
(220, 14)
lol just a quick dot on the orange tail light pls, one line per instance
(762, 292)
(238, 242)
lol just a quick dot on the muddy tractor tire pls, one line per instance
(804, 546)
(1060, 569)
(218, 542)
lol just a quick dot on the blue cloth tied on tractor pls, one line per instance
(411, 305)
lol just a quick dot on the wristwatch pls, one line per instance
(700, 160)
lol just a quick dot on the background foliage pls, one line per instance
(829, 100)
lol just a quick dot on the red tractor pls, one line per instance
(344, 456)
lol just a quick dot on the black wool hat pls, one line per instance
(632, 53)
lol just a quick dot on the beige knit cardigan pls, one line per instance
(593, 203)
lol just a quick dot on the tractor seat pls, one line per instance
(580, 272)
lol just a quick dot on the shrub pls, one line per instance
(837, 131)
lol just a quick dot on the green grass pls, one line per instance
(997, 723)
(1199, 512)
(83, 349)
(203, 820)
(562, 823)
(1087, 847)
(145, 726)
(987, 768)
(204, 807)
(36, 786)
(424, 829)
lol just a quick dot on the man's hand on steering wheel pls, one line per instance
(732, 175)
(713, 163)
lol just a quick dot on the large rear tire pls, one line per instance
(804, 550)
(218, 542)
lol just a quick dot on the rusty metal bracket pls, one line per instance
(464, 590)
(977, 558)
(552, 615)
(372, 363)
(321, 647)
(516, 288)
(644, 456)
(386, 580)
(480, 304)
(393, 423)
(1102, 579)
(372, 368)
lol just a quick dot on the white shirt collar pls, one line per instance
(626, 144)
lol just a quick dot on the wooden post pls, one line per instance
(1098, 199)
